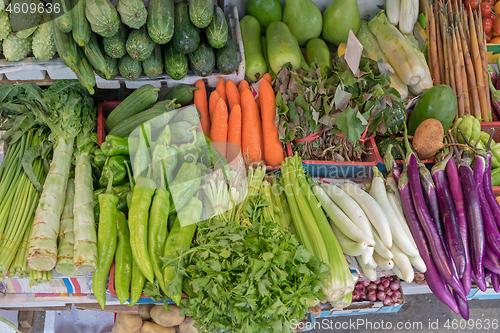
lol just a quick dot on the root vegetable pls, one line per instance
(165, 318)
(149, 327)
(126, 323)
(428, 138)
(187, 326)
(144, 311)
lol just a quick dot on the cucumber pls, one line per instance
(183, 94)
(202, 61)
(132, 12)
(227, 58)
(111, 66)
(65, 46)
(190, 115)
(103, 17)
(161, 20)
(115, 46)
(201, 12)
(94, 54)
(81, 27)
(255, 63)
(217, 30)
(139, 44)
(186, 37)
(130, 124)
(138, 101)
(63, 21)
(176, 64)
(84, 72)
(153, 66)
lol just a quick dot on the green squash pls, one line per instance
(132, 12)
(394, 119)
(395, 152)
(161, 20)
(227, 58)
(176, 64)
(201, 12)
(139, 44)
(217, 30)
(153, 66)
(115, 46)
(202, 61)
(103, 17)
(129, 68)
(111, 66)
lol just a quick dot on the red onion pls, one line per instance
(395, 299)
(362, 296)
(381, 295)
(381, 287)
(387, 300)
(391, 278)
(389, 292)
(372, 296)
(365, 283)
(394, 285)
(377, 281)
(397, 293)
(359, 286)
(386, 283)
(372, 286)
(356, 293)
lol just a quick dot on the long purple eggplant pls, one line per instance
(458, 198)
(488, 191)
(452, 235)
(432, 276)
(430, 195)
(463, 306)
(488, 264)
(495, 282)
(481, 282)
(490, 227)
(487, 273)
(474, 217)
(436, 246)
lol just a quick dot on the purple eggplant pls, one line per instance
(458, 198)
(488, 189)
(463, 306)
(481, 282)
(488, 264)
(495, 282)
(432, 276)
(429, 190)
(474, 217)
(452, 235)
(436, 246)
(487, 273)
(490, 228)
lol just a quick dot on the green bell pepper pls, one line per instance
(185, 185)
(114, 145)
(170, 163)
(495, 177)
(99, 158)
(470, 127)
(495, 158)
(116, 164)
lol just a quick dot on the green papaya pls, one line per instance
(299, 14)
(265, 11)
(282, 47)
(338, 19)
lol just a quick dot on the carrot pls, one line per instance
(221, 89)
(273, 148)
(251, 140)
(233, 95)
(218, 131)
(201, 103)
(234, 132)
(242, 86)
(267, 77)
(214, 97)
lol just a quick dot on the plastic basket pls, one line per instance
(327, 169)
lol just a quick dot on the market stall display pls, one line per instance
(210, 196)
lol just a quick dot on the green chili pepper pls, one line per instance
(185, 185)
(121, 192)
(160, 154)
(179, 239)
(132, 184)
(217, 159)
(114, 145)
(137, 284)
(123, 259)
(99, 158)
(158, 229)
(106, 242)
(115, 164)
(138, 217)
(142, 158)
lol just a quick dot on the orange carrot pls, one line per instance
(201, 102)
(273, 148)
(214, 97)
(234, 132)
(221, 89)
(218, 131)
(251, 140)
(242, 86)
(267, 77)
(232, 93)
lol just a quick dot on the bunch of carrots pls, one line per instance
(233, 116)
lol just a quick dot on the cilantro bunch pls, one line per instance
(248, 279)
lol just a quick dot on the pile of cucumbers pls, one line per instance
(132, 39)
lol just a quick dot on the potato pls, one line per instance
(126, 323)
(165, 318)
(149, 327)
(144, 311)
(428, 138)
(187, 326)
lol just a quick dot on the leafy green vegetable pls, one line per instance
(247, 279)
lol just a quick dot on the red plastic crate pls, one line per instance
(329, 169)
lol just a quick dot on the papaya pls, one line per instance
(439, 102)
(282, 47)
(265, 11)
(340, 17)
(298, 14)
(317, 51)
